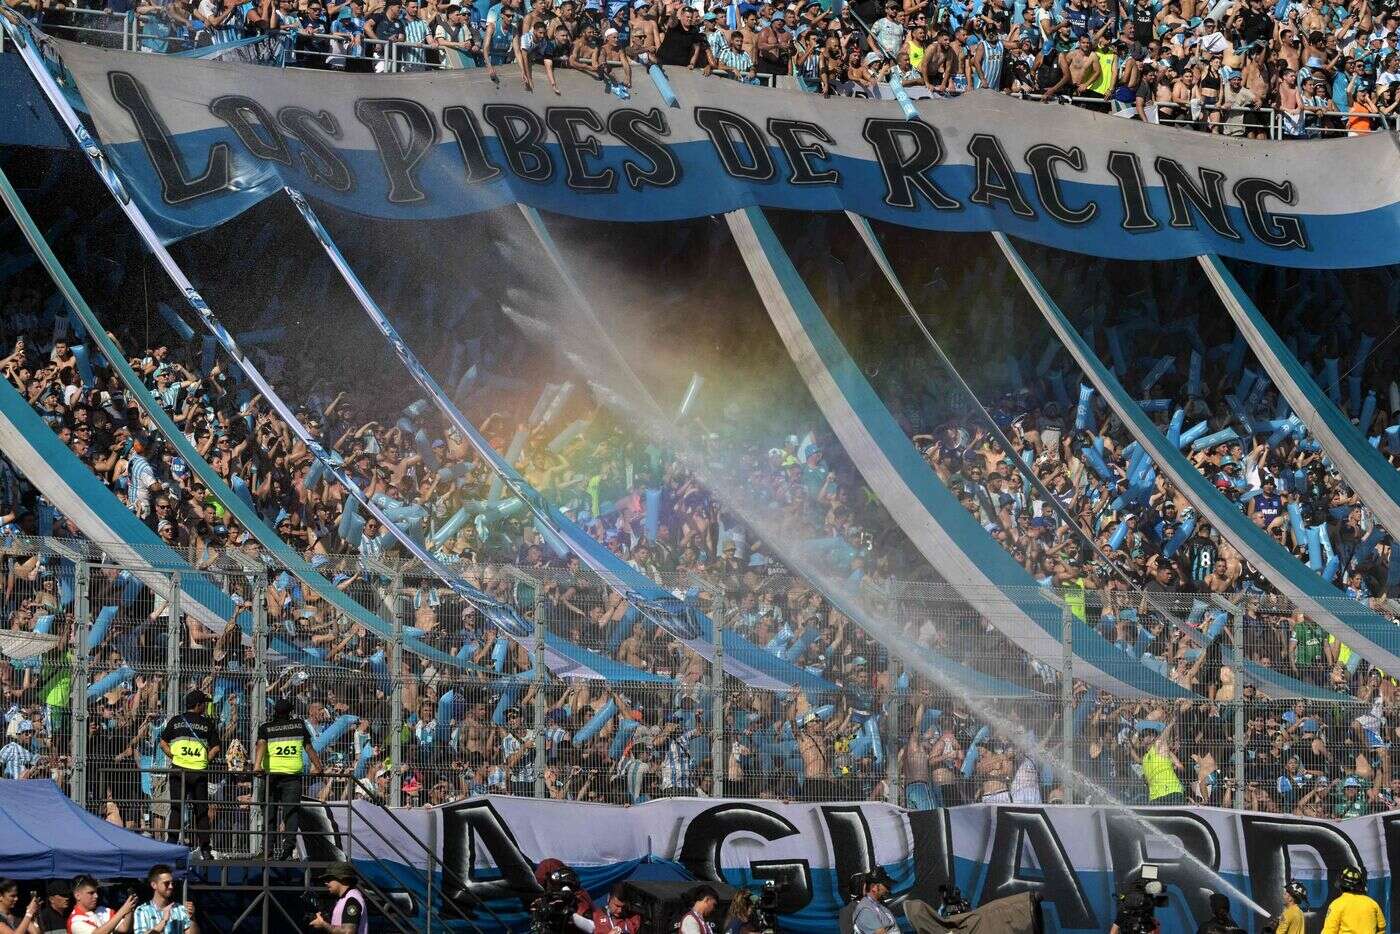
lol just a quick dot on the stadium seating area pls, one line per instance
(863, 728)
(1244, 68)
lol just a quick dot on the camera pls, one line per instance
(953, 902)
(552, 912)
(1138, 902)
(764, 918)
(311, 906)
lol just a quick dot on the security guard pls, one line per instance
(191, 741)
(279, 758)
(1353, 911)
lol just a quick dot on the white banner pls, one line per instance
(197, 142)
(1075, 858)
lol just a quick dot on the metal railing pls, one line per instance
(898, 721)
(298, 48)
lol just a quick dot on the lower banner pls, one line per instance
(1075, 859)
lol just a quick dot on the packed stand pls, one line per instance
(629, 743)
(1241, 68)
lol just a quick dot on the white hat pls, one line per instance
(610, 33)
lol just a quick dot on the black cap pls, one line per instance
(878, 874)
(283, 708)
(59, 887)
(340, 872)
(195, 698)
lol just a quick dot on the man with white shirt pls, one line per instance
(703, 902)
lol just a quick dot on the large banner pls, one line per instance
(198, 142)
(1073, 857)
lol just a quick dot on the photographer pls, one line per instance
(740, 911)
(87, 918)
(350, 915)
(1138, 902)
(10, 921)
(1220, 921)
(871, 915)
(616, 916)
(565, 904)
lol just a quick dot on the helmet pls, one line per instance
(1297, 891)
(1352, 880)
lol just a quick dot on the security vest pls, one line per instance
(1075, 598)
(286, 741)
(1160, 776)
(190, 739)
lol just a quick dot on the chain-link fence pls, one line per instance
(943, 709)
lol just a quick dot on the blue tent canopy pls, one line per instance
(44, 835)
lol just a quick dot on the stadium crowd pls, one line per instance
(1245, 68)
(470, 731)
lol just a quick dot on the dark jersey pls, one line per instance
(286, 740)
(191, 738)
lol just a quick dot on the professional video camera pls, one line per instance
(553, 911)
(952, 902)
(1138, 902)
(764, 918)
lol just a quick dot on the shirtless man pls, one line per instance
(1290, 49)
(477, 733)
(993, 773)
(645, 38)
(915, 766)
(748, 27)
(1079, 69)
(611, 55)
(814, 743)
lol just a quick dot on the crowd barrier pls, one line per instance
(99, 662)
(148, 33)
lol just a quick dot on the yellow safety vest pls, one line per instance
(1161, 778)
(1108, 65)
(283, 756)
(189, 753)
(916, 54)
(1074, 599)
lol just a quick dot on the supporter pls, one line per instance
(12, 921)
(162, 914)
(18, 758)
(53, 913)
(88, 918)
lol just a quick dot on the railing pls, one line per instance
(899, 724)
(295, 49)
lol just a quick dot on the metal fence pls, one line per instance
(339, 51)
(943, 710)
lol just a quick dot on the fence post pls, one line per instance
(172, 650)
(718, 762)
(82, 621)
(1067, 701)
(399, 602)
(258, 708)
(538, 708)
(259, 704)
(894, 776)
(1238, 620)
